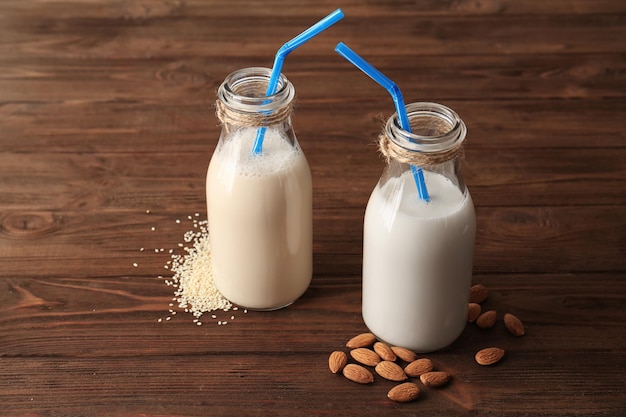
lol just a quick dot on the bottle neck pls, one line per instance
(434, 143)
(242, 99)
(437, 133)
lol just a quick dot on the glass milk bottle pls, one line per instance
(259, 201)
(418, 255)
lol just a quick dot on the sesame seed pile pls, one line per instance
(192, 277)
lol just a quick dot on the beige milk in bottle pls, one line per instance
(418, 255)
(259, 204)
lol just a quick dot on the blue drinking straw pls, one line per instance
(343, 50)
(285, 50)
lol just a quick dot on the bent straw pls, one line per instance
(343, 50)
(282, 53)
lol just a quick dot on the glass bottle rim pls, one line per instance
(244, 90)
(435, 128)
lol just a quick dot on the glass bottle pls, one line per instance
(418, 255)
(259, 200)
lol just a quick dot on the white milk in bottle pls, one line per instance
(259, 204)
(418, 255)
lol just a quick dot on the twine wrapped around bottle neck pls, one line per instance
(228, 115)
(392, 151)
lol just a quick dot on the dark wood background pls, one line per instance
(106, 112)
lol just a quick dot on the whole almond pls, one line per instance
(435, 378)
(487, 319)
(357, 373)
(391, 371)
(337, 360)
(384, 351)
(403, 393)
(419, 367)
(473, 311)
(361, 340)
(489, 356)
(514, 325)
(405, 354)
(478, 293)
(365, 356)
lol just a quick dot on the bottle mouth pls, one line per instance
(244, 90)
(435, 128)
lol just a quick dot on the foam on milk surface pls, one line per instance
(277, 155)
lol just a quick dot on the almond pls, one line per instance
(435, 378)
(336, 361)
(419, 367)
(403, 393)
(361, 340)
(514, 325)
(487, 319)
(357, 373)
(404, 353)
(384, 351)
(478, 293)
(473, 311)
(489, 356)
(391, 371)
(365, 356)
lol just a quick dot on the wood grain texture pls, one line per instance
(106, 111)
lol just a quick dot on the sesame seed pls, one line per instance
(147, 211)
(178, 221)
(135, 264)
(153, 228)
(141, 249)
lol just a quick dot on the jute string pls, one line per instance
(393, 151)
(230, 116)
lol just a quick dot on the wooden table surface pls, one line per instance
(106, 113)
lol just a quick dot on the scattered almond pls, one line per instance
(478, 293)
(403, 393)
(487, 319)
(365, 356)
(336, 361)
(489, 356)
(514, 325)
(361, 340)
(473, 311)
(357, 373)
(435, 378)
(404, 353)
(384, 351)
(419, 367)
(391, 371)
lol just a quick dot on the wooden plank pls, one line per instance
(173, 37)
(193, 81)
(206, 384)
(346, 127)
(509, 240)
(95, 317)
